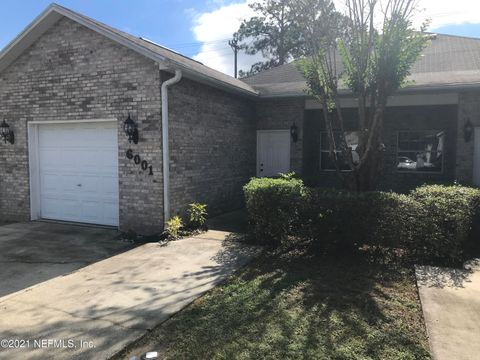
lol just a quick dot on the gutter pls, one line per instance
(165, 143)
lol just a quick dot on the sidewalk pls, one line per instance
(451, 306)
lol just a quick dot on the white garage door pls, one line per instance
(78, 168)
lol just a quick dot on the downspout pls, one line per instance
(165, 144)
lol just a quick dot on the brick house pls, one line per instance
(68, 84)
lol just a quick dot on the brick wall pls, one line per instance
(280, 114)
(73, 73)
(212, 147)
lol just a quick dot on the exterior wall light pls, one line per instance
(294, 132)
(131, 130)
(468, 130)
(7, 133)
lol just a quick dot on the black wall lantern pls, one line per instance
(7, 133)
(294, 132)
(468, 130)
(131, 130)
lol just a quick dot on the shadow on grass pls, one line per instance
(293, 304)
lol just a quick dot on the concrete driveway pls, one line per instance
(94, 312)
(31, 253)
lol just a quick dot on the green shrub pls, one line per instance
(197, 215)
(174, 227)
(445, 225)
(433, 224)
(328, 218)
(388, 219)
(273, 207)
(343, 221)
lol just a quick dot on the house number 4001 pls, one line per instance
(138, 161)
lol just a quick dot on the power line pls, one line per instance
(217, 56)
(198, 43)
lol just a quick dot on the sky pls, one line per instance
(201, 28)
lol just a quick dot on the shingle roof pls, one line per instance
(192, 69)
(448, 61)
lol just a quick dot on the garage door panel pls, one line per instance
(107, 158)
(90, 185)
(60, 208)
(49, 182)
(110, 211)
(79, 172)
(109, 186)
(86, 158)
(91, 210)
(55, 156)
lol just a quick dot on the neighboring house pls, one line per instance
(69, 83)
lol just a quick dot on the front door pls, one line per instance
(476, 166)
(273, 152)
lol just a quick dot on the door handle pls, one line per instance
(79, 185)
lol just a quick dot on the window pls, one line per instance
(326, 162)
(420, 151)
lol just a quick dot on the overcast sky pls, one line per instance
(201, 29)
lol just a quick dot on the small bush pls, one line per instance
(445, 225)
(273, 207)
(197, 215)
(174, 227)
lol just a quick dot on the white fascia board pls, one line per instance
(398, 100)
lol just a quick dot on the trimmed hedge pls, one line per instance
(433, 224)
(341, 220)
(273, 207)
(447, 222)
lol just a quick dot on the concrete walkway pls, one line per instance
(451, 307)
(97, 310)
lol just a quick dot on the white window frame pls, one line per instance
(328, 152)
(441, 172)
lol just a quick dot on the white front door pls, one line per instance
(78, 172)
(273, 152)
(476, 158)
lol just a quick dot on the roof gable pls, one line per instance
(168, 59)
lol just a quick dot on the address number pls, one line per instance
(144, 165)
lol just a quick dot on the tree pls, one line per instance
(370, 56)
(275, 33)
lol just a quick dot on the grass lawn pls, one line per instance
(290, 304)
